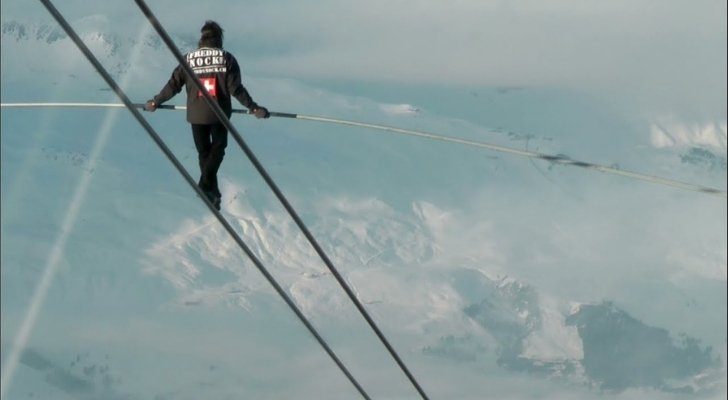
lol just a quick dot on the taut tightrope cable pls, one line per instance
(215, 107)
(168, 153)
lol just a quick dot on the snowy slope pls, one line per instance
(490, 274)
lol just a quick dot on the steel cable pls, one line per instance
(168, 153)
(215, 107)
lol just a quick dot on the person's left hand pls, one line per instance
(150, 106)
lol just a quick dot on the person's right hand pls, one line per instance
(150, 106)
(261, 112)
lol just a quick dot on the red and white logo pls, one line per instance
(210, 84)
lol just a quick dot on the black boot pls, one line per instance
(213, 198)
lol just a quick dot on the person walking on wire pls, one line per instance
(219, 73)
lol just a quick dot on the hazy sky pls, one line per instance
(665, 56)
(651, 248)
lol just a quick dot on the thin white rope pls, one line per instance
(432, 136)
(56, 255)
(524, 153)
(71, 105)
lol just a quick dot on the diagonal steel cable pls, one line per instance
(282, 198)
(180, 168)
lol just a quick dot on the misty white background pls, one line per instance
(149, 282)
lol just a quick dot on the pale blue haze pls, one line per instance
(494, 277)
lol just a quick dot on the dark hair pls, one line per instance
(211, 35)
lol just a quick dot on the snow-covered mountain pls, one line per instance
(494, 277)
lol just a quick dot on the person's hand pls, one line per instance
(150, 106)
(261, 112)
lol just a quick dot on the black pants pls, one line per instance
(210, 141)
